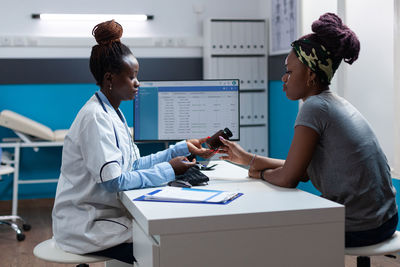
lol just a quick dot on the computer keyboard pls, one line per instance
(194, 176)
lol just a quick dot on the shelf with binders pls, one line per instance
(236, 49)
(235, 36)
(253, 108)
(254, 139)
(251, 70)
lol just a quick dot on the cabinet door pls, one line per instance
(145, 248)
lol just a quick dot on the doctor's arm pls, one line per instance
(156, 176)
(146, 162)
(295, 166)
(183, 148)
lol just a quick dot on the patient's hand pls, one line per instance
(234, 152)
(195, 148)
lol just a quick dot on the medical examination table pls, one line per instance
(30, 134)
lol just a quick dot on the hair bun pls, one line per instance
(330, 28)
(107, 32)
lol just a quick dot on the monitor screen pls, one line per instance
(177, 110)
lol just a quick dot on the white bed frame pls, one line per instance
(27, 130)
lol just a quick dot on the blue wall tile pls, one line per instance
(282, 114)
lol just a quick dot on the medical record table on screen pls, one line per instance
(176, 110)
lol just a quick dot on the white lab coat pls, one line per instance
(86, 217)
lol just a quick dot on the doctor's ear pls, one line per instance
(108, 80)
(107, 76)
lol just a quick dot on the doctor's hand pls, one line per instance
(181, 164)
(194, 146)
(234, 152)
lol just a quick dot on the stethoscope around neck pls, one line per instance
(115, 132)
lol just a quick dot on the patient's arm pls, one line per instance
(295, 166)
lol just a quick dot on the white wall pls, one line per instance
(369, 82)
(310, 11)
(172, 19)
(396, 70)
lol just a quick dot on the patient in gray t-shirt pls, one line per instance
(333, 145)
(348, 165)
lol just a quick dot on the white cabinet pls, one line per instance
(236, 49)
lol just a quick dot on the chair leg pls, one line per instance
(25, 226)
(20, 235)
(363, 261)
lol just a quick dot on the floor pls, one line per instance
(37, 212)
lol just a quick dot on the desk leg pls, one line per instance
(16, 180)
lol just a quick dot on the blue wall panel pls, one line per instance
(282, 114)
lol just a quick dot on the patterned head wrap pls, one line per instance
(317, 58)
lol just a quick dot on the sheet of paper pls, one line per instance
(191, 195)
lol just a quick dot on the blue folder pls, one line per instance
(142, 198)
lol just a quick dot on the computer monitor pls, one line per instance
(177, 110)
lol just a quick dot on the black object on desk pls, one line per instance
(193, 176)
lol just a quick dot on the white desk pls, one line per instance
(267, 226)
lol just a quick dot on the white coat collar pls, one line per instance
(107, 103)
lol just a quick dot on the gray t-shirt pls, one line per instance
(348, 165)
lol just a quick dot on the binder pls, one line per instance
(241, 141)
(219, 36)
(242, 110)
(260, 137)
(214, 38)
(248, 75)
(235, 38)
(235, 67)
(254, 73)
(256, 38)
(220, 67)
(242, 37)
(213, 74)
(246, 106)
(229, 68)
(262, 72)
(243, 73)
(262, 37)
(249, 38)
(255, 119)
(227, 37)
(256, 140)
(259, 31)
(260, 105)
(249, 143)
(264, 142)
(190, 195)
(245, 139)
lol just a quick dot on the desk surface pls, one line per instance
(257, 207)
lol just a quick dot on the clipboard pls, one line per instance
(212, 194)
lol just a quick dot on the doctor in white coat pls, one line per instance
(99, 158)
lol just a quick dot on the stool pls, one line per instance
(387, 247)
(49, 251)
